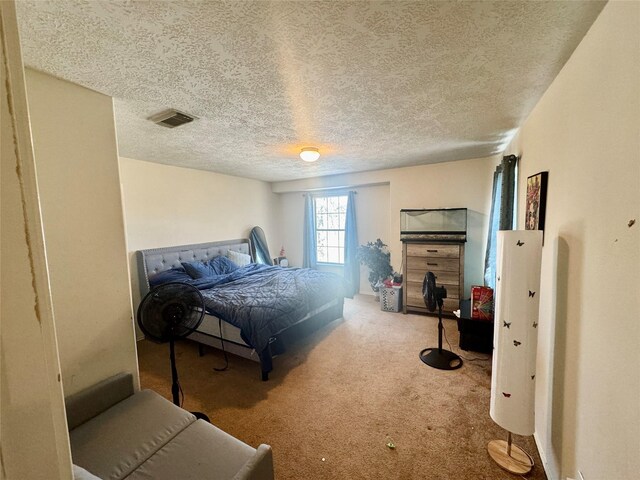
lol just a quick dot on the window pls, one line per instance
(331, 213)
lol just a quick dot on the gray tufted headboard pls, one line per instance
(156, 260)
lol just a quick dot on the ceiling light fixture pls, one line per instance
(309, 154)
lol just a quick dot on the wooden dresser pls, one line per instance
(445, 260)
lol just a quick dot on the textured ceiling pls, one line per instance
(373, 84)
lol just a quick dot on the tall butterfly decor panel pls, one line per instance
(515, 339)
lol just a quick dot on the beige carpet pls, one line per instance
(334, 401)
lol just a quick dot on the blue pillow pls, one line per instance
(216, 266)
(198, 269)
(221, 265)
(177, 274)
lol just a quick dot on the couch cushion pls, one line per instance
(259, 467)
(200, 451)
(94, 400)
(80, 473)
(116, 442)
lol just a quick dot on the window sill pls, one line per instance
(327, 264)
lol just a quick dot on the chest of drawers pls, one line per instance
(445, 260)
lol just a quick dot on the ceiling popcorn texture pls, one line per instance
(372, 84)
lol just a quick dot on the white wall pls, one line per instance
(33, 427)
(466, 183)
(166, 206)
(77, 162)
(586, 132)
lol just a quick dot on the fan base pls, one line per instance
(201, 416)
(441, 359)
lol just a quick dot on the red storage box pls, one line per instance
(481, 303)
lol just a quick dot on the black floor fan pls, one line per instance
(437, 357)
(167, 313)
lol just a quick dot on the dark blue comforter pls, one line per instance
(262, 300)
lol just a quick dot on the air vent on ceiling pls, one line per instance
(171, 118)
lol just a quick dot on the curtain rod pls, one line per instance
(342, 187)
(329, 193)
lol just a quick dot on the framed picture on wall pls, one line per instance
(536, 201)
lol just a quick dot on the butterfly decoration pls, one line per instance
(498, 278)
(506, 394)
(508, 325)
(516, 343)
(535, 324)
(532, 377)
(531, 294)
(519, 243)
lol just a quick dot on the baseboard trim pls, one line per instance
(543, 457)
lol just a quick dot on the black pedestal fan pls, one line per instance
(437, 357)
(167, 313)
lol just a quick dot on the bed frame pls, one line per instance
(156, 260)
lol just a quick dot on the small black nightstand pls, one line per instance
(476, 335)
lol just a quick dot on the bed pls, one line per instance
(254, 310)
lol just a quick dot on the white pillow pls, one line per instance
(80, 473)
(240, 259)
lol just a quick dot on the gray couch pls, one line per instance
(118, 434)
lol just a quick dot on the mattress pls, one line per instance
(210, 326)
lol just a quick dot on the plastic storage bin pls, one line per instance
(390, 299)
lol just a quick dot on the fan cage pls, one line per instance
(429, 291)
(171, 311)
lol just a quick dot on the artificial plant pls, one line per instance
(376, 256)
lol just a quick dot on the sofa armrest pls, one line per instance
(258, 467)
(91, 402)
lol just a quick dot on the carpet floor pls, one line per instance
(335, 400)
